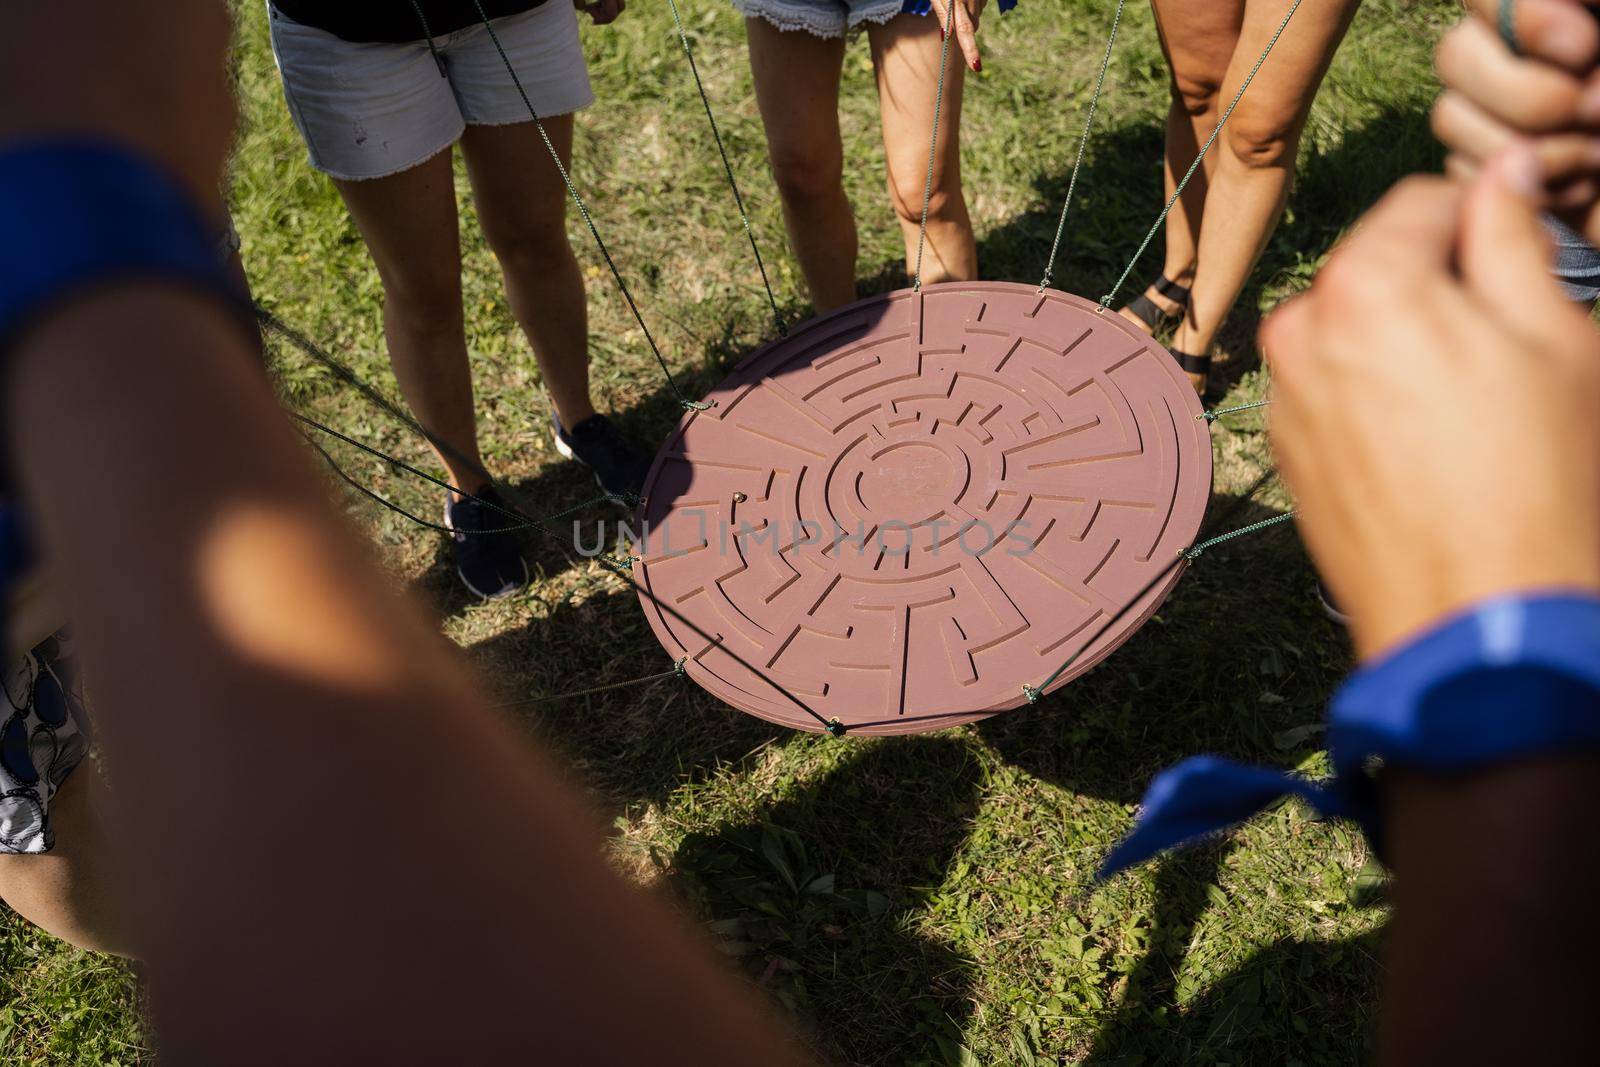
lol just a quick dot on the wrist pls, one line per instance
(1507, 677)
(1403, 608)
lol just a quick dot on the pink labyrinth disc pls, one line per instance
(911, 508)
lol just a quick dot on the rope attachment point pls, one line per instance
(1195, 551)
(1217, 413)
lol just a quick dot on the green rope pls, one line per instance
(1217, 413)
(583, 210)
(622, 568)
(613, 564)
(268, 321)
(351, 481)
(427, 32)
(933, 152)
(1035, 692)
(1105, 301)
(1083, 143)
(727, 168)
(678, 671)
(529, 523)
(1196, 551)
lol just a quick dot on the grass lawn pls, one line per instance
(915, 901)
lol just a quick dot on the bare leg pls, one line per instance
(1256, 153)
(522, 204)
(66, 891)
(905, 52)
(797, 89)
(1198, 38)
(409, 222)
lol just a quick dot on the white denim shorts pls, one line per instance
(821, 18)
(372, 110)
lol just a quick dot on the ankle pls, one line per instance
(469, 483)
(1195, 342)
(574, 411)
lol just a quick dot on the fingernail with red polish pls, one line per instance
(977, 65)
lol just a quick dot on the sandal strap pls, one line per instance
(1192, 364)
(1178, 294)
(1147, 311)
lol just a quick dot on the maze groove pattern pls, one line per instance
(912, 507)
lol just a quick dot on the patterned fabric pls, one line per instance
(820, 18)
(834, 18)
(44, 736)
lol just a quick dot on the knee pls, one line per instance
(534, 243)
(424, 305)
(1197, 96)
(907, 199)
(908, 186)
(1262, 142)
(805, 177)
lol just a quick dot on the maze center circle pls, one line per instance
(911, 508)
(905, 478)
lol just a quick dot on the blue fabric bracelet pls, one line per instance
(76, 215)
(1512, 678)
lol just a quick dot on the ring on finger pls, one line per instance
(1508, 26)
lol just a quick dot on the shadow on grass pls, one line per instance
(818, 897)
(1289, 1002)
(630, 745)
(1239, 658)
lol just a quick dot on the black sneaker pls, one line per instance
(1330, 605)
(488, 554)
(618, 466)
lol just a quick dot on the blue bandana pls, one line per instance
(1512, 678)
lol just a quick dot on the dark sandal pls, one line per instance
(1145, 309)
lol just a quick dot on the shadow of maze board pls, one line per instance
(912, 507)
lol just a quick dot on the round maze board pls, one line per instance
(902, 514)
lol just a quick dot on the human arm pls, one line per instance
(601, 12)
(1437, 413)
(326, 838)
(328, 848)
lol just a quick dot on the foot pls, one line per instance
(619, 467)
(1158, 305)
(488, 555)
